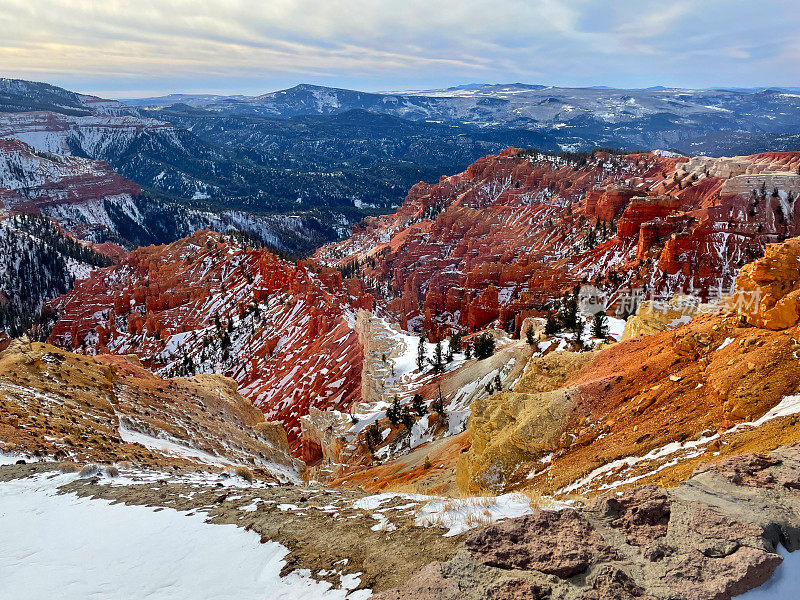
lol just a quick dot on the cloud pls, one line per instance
(117, 45)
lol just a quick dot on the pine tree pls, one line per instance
(421, 357)
(484, 346)
(529, 336)
(579, 329)
(393, 412)
(600, 326)
(437, 360)
(552, 326)
(374, 437)
(455, 342)
(569, 313)
(418, 405)
(437, 405)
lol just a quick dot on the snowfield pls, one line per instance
(63, 546)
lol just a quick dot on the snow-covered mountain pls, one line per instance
(598, 116)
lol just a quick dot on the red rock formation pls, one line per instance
(532, 227)
(282, 330)
(30, 181)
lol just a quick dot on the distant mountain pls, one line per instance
(17, 95)
(355, 163)
(92, 202)
(333, 156)
(188, 99)
(574, 118)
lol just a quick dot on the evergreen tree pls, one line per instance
(374, 437)
(529, 336)
(552, 325)
(421, 355)
(484, 346)
(600, 325)
(569, 313)
(455, 342)
(393, 412)
(579, 329)
(437, 361)
(418, 405)
(437, 405)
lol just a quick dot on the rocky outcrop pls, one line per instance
(608, 203)
(652, 317)
(322, 434)
(770, 287)
(560, 543)
(677, 391)
(381, 350)
(511, 429)
(711, 538)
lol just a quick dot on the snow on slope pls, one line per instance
(206, 305)
(63, 546)
(95, 134)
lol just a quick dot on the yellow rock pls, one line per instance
(768, 290)
(513, 430)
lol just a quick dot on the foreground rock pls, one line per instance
(711, 538)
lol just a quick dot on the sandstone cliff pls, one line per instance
(494, 244)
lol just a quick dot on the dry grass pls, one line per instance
(478, 519)
(402, 488)
(90, 470)
(68, 467)
(480, 491)
(534, 496)
(434, 520)
(245, 474)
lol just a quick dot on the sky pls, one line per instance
(120, 48)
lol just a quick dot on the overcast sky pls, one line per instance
(149, 47)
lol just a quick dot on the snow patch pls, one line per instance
(63, 546)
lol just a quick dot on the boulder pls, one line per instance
(560, 543)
